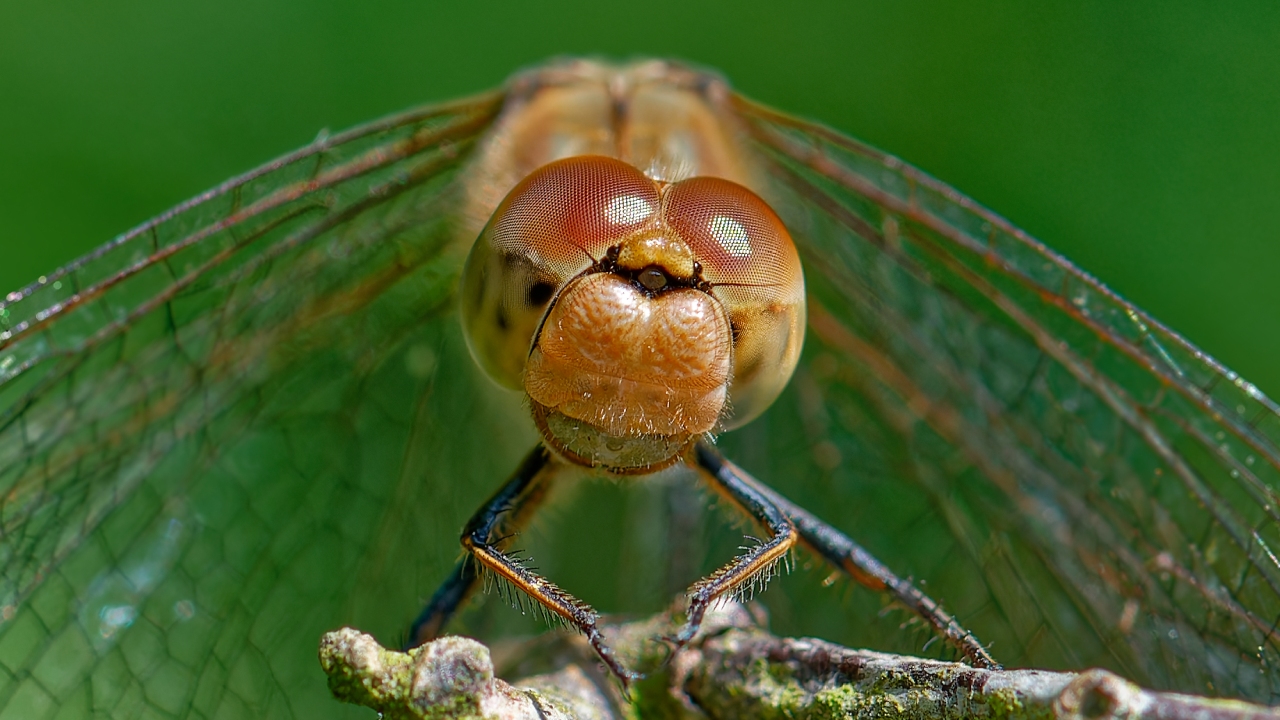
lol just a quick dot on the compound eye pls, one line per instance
(735, 235)
(752, 265)
(550, 228)
(568, 213)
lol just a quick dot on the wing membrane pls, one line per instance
(203, 425)
(230, 430)
(1107, 487)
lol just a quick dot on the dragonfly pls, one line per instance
(255, 418)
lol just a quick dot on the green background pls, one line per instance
(1142, 140)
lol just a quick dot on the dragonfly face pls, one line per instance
(636, 315)
(251, 420)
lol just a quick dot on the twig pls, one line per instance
(736, 671)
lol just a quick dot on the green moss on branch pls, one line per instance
(734, 670)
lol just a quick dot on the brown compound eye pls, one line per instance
(550, 228)
(735, 235)
(748, 258)
(572, 211)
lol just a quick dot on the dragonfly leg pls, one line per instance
(756, 565)
(838, 549)
(430, 623)
(484, 533)
(503, 514)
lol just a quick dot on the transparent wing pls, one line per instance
(253, 419)
(1078, 483)
(215, 435)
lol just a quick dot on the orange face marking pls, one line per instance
(631, 364)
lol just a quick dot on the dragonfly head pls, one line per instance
(636, 315)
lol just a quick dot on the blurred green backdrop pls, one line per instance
(1140, 139)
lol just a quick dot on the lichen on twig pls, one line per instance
(449, 678)
(732, 670)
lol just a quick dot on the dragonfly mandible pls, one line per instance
(237, 425)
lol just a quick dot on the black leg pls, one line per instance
(512, 504)
(751, 569)
(430, 623)
(482, 536)
(836, 548)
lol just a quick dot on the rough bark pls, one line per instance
(733, 670)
